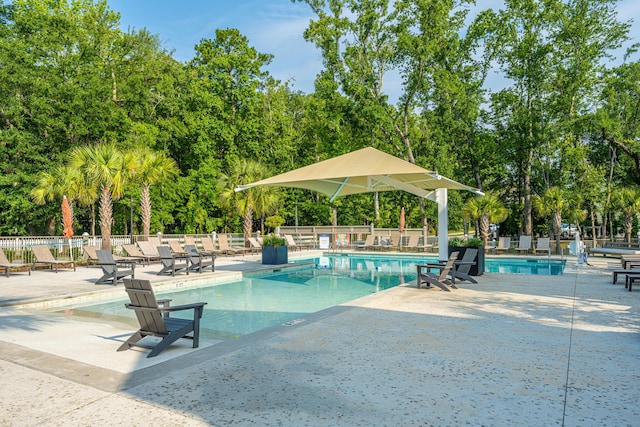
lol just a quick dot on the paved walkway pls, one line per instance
(514, 350)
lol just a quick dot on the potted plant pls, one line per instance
(460, 245)
(274, 250)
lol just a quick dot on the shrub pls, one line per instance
(274, 241)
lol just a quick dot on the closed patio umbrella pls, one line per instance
(67, 219)
(67, 222)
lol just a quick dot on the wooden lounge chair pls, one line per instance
(543, 245)
(504, 244)
(155, 321)
(6, 265)
(170, 262)
(223, 243)
(524, 244)
(134, 252)
(110, 267)
(43, 255)
(199, 260)
(426, 277)
(463, 267)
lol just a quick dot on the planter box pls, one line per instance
(478, 268)
(275, 255)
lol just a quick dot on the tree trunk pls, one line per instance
(484, 228)
(106, 217)
(145, 209)
(247, 225)
(528, 222)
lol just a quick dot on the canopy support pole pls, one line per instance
(443, 224)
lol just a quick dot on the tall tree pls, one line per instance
(109, 169)
(250, 201)
(554, 203)
(627, 202)
(150, 168)
(485, 210)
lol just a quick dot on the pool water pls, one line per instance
(268, 299)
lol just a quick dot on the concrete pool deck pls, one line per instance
(510, 350)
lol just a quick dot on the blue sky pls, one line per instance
(272, 26)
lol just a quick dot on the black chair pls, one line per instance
(198, 260)
(426, 277)
(110, 267)
(155, 321)
(170, 262)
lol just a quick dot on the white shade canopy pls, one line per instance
(363, 171)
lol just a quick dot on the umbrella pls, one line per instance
(67, 219)
(369, 170)
(363, 171)
(401, 227)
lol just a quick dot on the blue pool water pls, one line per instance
(263, 300)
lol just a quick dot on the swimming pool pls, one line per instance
(259, 301)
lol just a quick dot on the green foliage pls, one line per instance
(274, 221)
(472, 242)
(272, 240)
(72, 80)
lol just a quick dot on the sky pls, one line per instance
(272, 26)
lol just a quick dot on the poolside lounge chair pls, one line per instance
(542, 245)
(414, 244)
(170, 262)
(368, 242)
(293, 245)
(43, 255)
(90, 254)
(148, 249)
(504, 244)
(208, 246)
(255, 244)
(524, 244)
(156, 322)
(154, 241)
(176, 247)
(426, 277)
(223, 243)
(463, 267)
(190, 240)
(134, 253)
(110, 267)
(199, 261)
(6, 265)
(210, 250)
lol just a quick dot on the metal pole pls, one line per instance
(131, 219)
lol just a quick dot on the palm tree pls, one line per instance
(253, 200)
(556, 203)
(151, 167)
(63, 181)
(485, 210)
(627, 201)
(108, 169)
